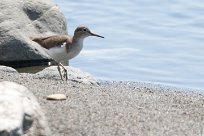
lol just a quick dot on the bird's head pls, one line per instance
(83, 32)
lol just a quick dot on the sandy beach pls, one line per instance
(116, 108)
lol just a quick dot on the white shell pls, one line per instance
(56, 97)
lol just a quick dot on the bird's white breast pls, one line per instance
(62, 54)
(58, 53)
(75, 49)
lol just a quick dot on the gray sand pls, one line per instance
(124, 108)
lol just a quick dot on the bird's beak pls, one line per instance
(92, 34)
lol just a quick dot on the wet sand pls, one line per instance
(116, 108)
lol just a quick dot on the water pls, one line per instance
(153, 41)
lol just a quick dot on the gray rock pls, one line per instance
(74, 74)
(20, 112)
(7, 69)
(22, 19)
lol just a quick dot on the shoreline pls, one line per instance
(115, 108)
(153, 85)
(39, 67)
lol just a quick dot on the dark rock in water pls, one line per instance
(21, 20)
(25, 63)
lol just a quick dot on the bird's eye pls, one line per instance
(84, 30)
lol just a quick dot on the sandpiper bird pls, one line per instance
(65, 47)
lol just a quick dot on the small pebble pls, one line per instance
(56, 97)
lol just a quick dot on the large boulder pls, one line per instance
(20, 112)
(19, 21)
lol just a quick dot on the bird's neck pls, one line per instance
(78, 40)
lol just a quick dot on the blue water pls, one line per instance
(145, 40)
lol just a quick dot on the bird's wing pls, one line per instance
(52, 41)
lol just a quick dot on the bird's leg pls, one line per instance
(64, 70)
(58, 67)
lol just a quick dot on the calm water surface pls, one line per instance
(154, 41)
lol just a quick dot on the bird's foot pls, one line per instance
(65, 74)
